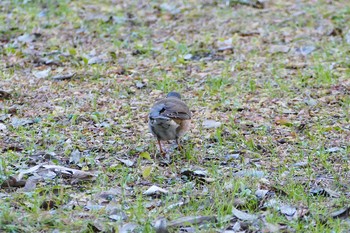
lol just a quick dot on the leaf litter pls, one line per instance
(260, 71)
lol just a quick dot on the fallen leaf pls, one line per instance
(235, 228)
(272, 203)
(146, 155)
(225, 45)
(96, 226)
(341, 213)
(288, 211)
(75, 157)
(28, 171)
(171, 8)
(74, 173)
(118, 217)
(207, 124)
(60, 77)
(188, 56)
(13, 182)
(261, 193)
(46, 174)
(93, 206)
(30, 184)
(95, 60)
(140, 85)
(196, 173)
(3, 127)
(190, 220)
(279, 49)
(48, 205)
(230, 157)
(111, 193)
(4, 94)
(64, 171)
(199, 175)
(324, 192)
(175, 205)
(127, 162)
(161, 225)
(250, 173)
(259, 4)
(16, 122)
(271, 228)
(42, 73)
(27, 38)
(283, 121)
(243, 215)
(347, 37)
(146, 172)
(305, 50)
(127, 228)
(333, 149)
(301, 164)
(155, 191)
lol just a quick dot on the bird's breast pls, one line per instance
(163, 128)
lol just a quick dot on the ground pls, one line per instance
(267, 83)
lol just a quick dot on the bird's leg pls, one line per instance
(160, 148)
(178, 144)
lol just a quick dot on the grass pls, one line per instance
(278, 110)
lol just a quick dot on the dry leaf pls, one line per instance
(127, 162)
(283, 121)
(127, 228)
(190, 220)
(155, 191)
(160, 225)
(30, 184)
(243, 215)
(42, 73)
(146, 155)
(207, 124)
(146, 172)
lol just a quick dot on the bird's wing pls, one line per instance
(171, 108)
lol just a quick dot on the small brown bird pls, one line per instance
(169, 119)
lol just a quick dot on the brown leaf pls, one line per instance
(48, 205)
(12, 182)
(4, 94)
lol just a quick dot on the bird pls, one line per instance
(169, 119)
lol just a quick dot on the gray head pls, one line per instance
(173, 94)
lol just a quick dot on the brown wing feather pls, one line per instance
(175, 108)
